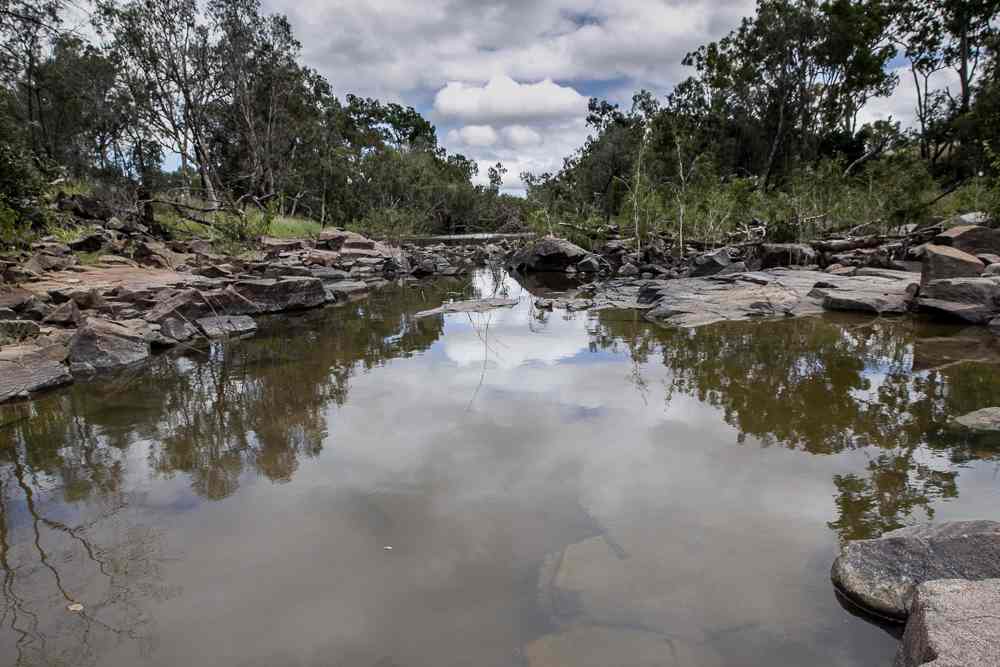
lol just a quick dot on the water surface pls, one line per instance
(355, 487)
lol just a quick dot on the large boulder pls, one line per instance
(773, 255)
(549, 254)
(101, 345)
(710, 263)
(289, 294)
(337, 239)
(881, 575)
(944, 262)
(975, 300)
(972, 239)
(28, 368)
(953, 623)
(191, 304)
(877, 297)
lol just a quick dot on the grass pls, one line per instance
(294, 228)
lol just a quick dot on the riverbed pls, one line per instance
(355, 486)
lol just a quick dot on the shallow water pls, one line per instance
(357, 487)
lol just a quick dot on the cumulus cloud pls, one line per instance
(521, 136)
(476, 136)
(504, 99)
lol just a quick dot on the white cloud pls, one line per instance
(477, 136)
(504, 99)
(521, 136)
(901, 106)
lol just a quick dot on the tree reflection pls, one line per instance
(826, 387)
(67, 535)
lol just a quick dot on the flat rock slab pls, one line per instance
(29, 368)
(133, 279)
(226, 325)
(986, 420)
(474, 306)
(692, 302)
(882, 575)
(954, 623)
(601, 646)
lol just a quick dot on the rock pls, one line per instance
(881, 299)
(988, 258)
(15, 298)
(14, 331)
(101, 345)
(773, 255)
(226, 325)
(288, 294)
(213, 271)
(85, 207)
(336, 239)
(43, 261)
(344, 290)
(628, 270)
(972, 239)
(995, 326)
(953, 623)
(979, 291)
(36, 310)
(589, 265)
(881, 575)
(154, 253)
(735, 267)
(710, 263)
(327, 258)
(571, 305)
(273, 246)
(549, 254)
(191, 304)
(28, 368)
(691, 302)
(973, 313)
(473, 306)
(68, 314)
(177, 330)
(943, 262)
(89, 243)
(992, 270)
(986, 420)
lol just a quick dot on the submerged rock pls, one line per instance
(548, 254)
(881, 575)
(474, 306)
(986, 420)
(953, 623)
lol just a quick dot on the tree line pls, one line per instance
(219, 87)
(767, 132)
(767, 128)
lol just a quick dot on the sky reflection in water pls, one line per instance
(548, 482)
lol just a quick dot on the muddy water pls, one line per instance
(354, 487)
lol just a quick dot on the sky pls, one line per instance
(509, 80)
